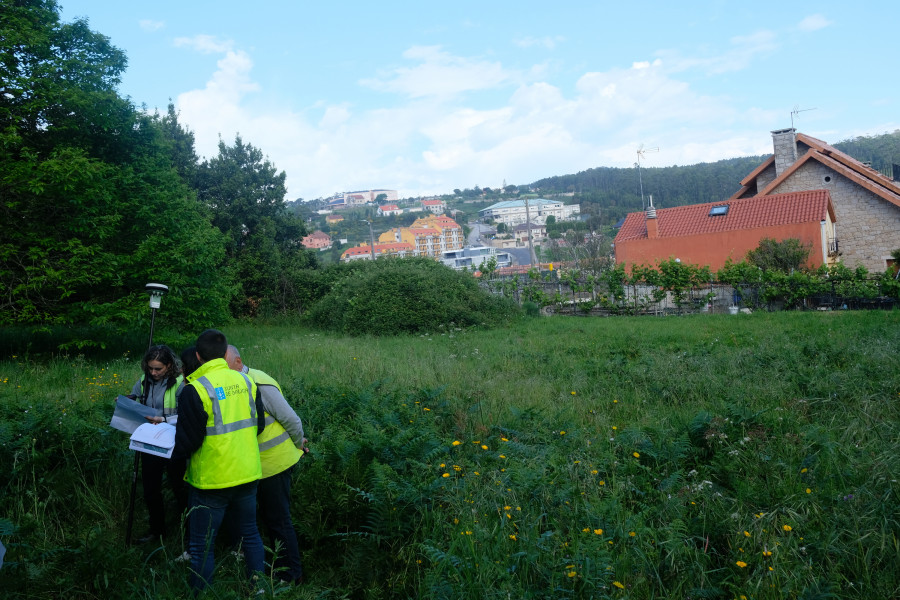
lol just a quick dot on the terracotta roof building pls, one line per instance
(711, 233)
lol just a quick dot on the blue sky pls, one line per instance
(423, 99)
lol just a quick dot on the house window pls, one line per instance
(826, 179)
(717, 211)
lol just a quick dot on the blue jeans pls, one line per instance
(274, 495)
(207, 511)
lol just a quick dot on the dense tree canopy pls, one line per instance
(98, 198)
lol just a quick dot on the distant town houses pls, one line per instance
(317, 240)
(438, 207)
(361, 197)
(332, 219)
(515, 212)
(431, 235)
(389, 209)
(475, 257)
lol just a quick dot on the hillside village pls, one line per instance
(842, 208)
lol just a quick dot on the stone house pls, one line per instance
(866, 203)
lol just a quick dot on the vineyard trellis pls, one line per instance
(673, 288)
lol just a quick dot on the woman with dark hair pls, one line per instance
(159, 387)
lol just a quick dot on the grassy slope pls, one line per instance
(660, 454)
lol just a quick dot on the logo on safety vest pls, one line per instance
(220, 393)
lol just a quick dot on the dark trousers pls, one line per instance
(152, 469)
(274, 497)
(208, 508)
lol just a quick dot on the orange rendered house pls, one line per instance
(709, 234)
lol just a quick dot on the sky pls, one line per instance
(427, 97)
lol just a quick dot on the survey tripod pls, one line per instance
(156, 291)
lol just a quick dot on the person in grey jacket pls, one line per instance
(160, 387)
(281, 444)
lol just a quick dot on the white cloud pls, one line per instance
(743, 50)
(150, 25)
(420, 146)
(548, 42)
(813, 23)
(206, 44)
(440, 74)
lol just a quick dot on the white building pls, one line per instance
(473, 257)
(513, 212)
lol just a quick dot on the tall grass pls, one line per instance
(704, 456)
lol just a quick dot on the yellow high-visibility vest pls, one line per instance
(229, 455)
(276, 449)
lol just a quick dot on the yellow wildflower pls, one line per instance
(618, 585)
(741, 564)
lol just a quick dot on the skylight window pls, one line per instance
(717, 211)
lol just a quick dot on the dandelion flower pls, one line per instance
(502, 456)
(512, 537)
(804, 470)
(632, 534)
(741, 564)
(446, 475)
(787, 527)
(767, 553)
(602, 482)
(636, 454)
(618, 585)
(456, 442)
(808, 491)
(747, 533)
(572, 573)
(573, 392)
(562, 432)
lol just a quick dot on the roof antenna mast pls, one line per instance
(797, 110)
(641, 151)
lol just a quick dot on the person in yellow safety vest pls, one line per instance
(159, 387)
(220, 416)
(281, 444)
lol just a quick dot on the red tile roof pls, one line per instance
(743, 214)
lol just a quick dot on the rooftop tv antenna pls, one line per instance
(797, 110)
(641, 151)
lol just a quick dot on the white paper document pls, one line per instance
(158, 440)
(130, 414)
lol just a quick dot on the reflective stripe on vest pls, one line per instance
(218, 427)
(277, 451)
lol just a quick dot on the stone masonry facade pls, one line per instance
(868, 227)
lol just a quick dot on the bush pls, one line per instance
(412, 295)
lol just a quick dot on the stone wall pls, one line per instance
(868, 227)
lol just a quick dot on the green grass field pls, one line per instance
(709, 456)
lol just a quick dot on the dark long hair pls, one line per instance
(166, 356)
(189, 362)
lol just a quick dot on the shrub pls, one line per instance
(414, 295)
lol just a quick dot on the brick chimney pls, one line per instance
(652, 223)
(785, 143)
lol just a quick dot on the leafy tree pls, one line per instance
(92, 203)
(782, 256)
(501, 227)
(381, 199)
(245, 195)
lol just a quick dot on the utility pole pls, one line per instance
(528, 224)
(371, 237)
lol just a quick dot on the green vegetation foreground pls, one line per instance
(708, 456)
